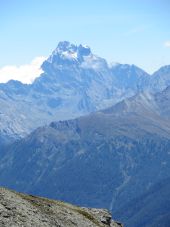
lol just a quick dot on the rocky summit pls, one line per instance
(18, 209)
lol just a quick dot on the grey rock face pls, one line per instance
(74, 82)
(18, 210)
(130, 78)
(160, 80)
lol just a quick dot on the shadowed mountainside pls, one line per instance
(150, 209)
(105, 159)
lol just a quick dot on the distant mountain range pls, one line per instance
(106, 159)
(75, 82)
(104, 139)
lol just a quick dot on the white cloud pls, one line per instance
(24, 73)
(167, 43)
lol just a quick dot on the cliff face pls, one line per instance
(18, 209)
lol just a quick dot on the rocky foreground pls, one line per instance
(17, 209)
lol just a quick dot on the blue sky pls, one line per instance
(125, 31)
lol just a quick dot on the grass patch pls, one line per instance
(90, 217)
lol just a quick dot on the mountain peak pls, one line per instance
(164, 69)
(66, 46)
(84, 50)
(69, 51)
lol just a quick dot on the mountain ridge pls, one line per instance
(75, 82)
(106, 151)
(106, 158)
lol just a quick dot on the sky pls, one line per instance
(125, 31)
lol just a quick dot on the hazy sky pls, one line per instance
(125, 31)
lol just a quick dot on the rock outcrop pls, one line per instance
(17, 209)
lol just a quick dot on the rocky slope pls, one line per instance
(18, 210)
